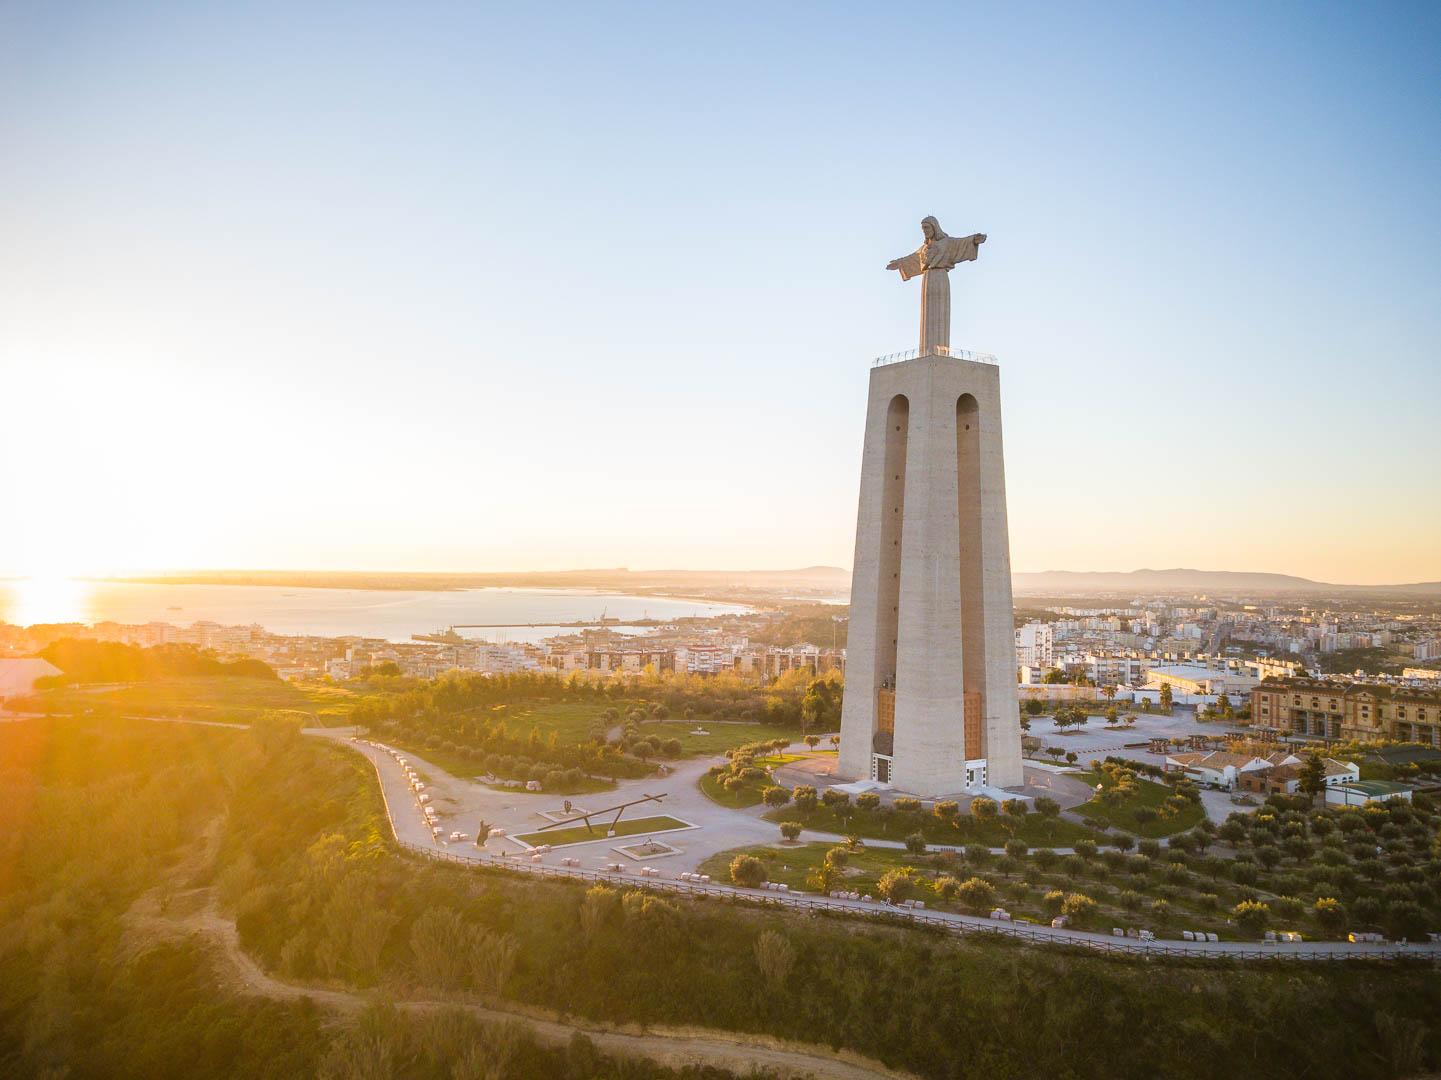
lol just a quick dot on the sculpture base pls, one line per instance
(931, 625)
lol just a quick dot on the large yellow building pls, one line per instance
(1337, 710)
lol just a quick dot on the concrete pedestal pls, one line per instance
(931, 611)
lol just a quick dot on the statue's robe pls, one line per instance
(940, 254)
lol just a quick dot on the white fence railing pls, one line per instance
(1035, 935)
(939, 350)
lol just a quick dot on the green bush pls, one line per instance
(976, 894)
(748, 871)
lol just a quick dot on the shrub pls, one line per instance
(896, 884)
(1244, 873)
(976, 894)
(790, 829)
(947, 887)
(1288, 908)
(916, 843)
(1406, 919)
(1016, 849)
(1078, 907)
(805, 797)
(748, 871)
(1251, 915)
(775, 956)
(1269, 856)
(984, 809)
(906, 805)
(833, 798)
(775, 796)
(1367, 910)
(1085, 848)
(1045, 858)
(1052, 901)
(868, 800)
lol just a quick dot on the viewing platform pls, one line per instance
(938, 350)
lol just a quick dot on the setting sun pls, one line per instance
(46, 599)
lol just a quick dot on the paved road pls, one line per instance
(722, 829)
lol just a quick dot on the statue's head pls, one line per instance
(931, 228)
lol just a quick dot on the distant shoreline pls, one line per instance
(756, 597)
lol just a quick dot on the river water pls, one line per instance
(379, 613)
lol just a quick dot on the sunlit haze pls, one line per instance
(451, 288)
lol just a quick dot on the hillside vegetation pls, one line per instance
(304, 863)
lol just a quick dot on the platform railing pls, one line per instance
(939, 350)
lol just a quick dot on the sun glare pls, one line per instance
(44, 599)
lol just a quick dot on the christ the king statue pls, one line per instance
(934, 260)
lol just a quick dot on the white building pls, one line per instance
(18, 676)
(1366, 792)
(1196, 679)
(1036, 645)
(704, 659)
(1220, 768)
(492, 659)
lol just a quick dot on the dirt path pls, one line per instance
(178, 908)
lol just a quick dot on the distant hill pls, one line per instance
(1199, 581)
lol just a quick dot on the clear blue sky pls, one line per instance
(432, 286)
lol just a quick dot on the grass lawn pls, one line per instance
(579, 834)
(459, 765)
(721, 737)
(573, 723)
(452, 763)
(1148, 793)
(206, 697)
(748, 795)
(1035, 830)
(772, 760)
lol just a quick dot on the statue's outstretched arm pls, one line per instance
(908, 265)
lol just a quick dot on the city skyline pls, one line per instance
(374, 296)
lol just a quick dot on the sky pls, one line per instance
(485, 287)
